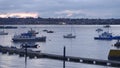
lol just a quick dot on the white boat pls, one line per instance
(3, 33)
(29, 36)
(69, 36)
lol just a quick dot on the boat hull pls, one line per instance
(69, 37)
(39, 39)
(3, 33)
(98, 38)
(34, 46)
(116, 37)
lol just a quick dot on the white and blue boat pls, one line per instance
(104, 36)
(29, 36)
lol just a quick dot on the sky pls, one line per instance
(60, 8)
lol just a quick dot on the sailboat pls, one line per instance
(70, 35)
(3, 32)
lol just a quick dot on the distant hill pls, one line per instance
(57, 21)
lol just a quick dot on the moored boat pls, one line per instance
(3, 33)
(99, 30)
(104, 36)
(45, 30)
(69, 36)
(29, 36)
(107, 26)
(116, 37)
(50, 31)
(8, 27)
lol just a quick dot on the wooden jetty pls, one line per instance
(35, 54)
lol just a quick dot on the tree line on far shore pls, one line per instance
(57, 21)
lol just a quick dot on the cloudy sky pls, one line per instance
(60, 8)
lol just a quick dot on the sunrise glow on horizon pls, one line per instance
(19, 15)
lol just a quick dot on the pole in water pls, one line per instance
(64, 51)
(25, 55)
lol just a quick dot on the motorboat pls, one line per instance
(99, 30)
(69, 36)
(50, 31)
(45, 30)
(29, 36)
(104, 36)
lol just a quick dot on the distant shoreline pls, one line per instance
(57, 21)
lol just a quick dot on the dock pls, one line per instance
(35, 54)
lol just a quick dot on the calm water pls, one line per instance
(83, 45)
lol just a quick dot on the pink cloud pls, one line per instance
(19, 15)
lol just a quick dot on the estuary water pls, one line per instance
(83, 45)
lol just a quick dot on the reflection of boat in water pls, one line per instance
(29, 36)
(104, 36)
(3, 33)
(29, 45)
(69, 36)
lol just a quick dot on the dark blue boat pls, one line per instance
(116, 37)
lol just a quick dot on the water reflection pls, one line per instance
(29, 45)
(26, 59)
(26, 44)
